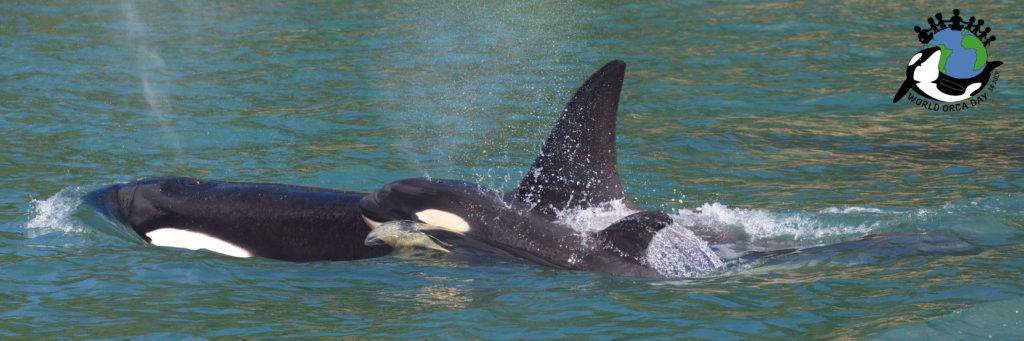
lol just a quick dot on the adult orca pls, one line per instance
(924, 77)
(576, 169)
(285, 222)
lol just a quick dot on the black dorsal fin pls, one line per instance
(631, 235)
(577, 165)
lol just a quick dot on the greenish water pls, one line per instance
(770, 117)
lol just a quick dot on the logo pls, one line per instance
(952, 72)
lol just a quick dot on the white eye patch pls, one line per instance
(173, 237)
(446, 220)
(915, 58)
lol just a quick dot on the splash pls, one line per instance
(594, 218)
(54, 214)
(677, 252)
(761, 224)
(674, 252)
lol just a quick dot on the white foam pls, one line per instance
(53, 215)
(595, 218)
(185, 239)
(676, 252)
(851, 210)
(767, 224)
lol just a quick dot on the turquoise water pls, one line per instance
(770, 117)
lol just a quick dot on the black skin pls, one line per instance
(516, 229)
(285, 222)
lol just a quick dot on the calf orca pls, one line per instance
(576, 169)
(458, 214)
(240, 219)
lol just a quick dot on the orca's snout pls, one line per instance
(369, 205)
(380, 207)
(106, 200)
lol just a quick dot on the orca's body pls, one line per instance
(276, 221)
(576, 169)
(456, 214)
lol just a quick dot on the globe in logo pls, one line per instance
(953, 66)
(962, 53)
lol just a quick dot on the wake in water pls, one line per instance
(677, 251)
(842, 236)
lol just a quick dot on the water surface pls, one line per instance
(771, 118)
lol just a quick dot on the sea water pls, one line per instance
(867, 218)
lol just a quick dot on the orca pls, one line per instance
(457, 214)
(575, 169)
(924, 77)
(285, 222)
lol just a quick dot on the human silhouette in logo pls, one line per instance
(923, 35)
(942, 23)
(984, 33)
(956, 23)
(977, 27)
(969, 24)
(931, 22)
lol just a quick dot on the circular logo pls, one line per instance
(954, 65)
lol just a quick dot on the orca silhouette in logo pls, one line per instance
(924, 77)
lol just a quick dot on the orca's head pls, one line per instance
(138, 202)
(437, 202)
(924, 65)
(426, 213)
(923, 69)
